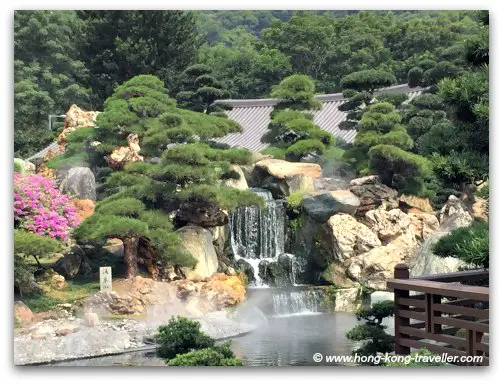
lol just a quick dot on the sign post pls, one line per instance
(106, 279)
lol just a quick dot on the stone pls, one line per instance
(22, 313)
(335, 274)
(27, 167)
(320, 206)
(377, 265)
(348, 300)
(84, 208)
(58, 282)
(223, 290)
(42, 331)
(243, 266)
(76, 118)
(91, 319)
(388, 225)
(480, 209)
(366, 180)
(373, 195)
(79, 183)
(299, 183)
(239, 183)
(221, 239)
(454, 214)
(275, 274)
(344, 238)
(125, 155)
(281, 169)
(425, 262)
(202, 214)
(408, 202)
(66, 329)
(185, 288)
(115, 246)
(69, 264)
(425, 224)
(326, 184)
(198, 242)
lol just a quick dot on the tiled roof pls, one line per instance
(254, 116)
(43, 152)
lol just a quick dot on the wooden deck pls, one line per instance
(442, 313)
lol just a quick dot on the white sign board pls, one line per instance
(106, 279)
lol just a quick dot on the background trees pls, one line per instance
(83, 56)
(123, 44)
(48, 74)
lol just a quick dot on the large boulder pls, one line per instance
(335, 274)
(80, 183)
(373, 194)
(425, 262)
(22, 313)
(388, 225)
(198, 242)
(243, 266)
(320, 206)
(238, 183)
(373, 268)
(454, 214)
(414, 204)
(201, 214)
(425, 224)
(329, 184)
(76, 118)
(69, 265)
(223, 290)
(344, 238)
(281, 169)
(275, 273)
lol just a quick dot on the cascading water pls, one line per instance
(258, 234)
(302, 302)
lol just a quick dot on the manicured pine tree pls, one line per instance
(182, 167)
(292, 133)
(200, 89)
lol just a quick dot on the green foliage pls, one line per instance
(180, 336)
(275, 152)
(49, 75)
(469, 244)
(394, 165)
(295, 200)
(18, 166)
(200, 89)
(121, 44)
(372, 332)
(368, 80)
(298, 90)
(395, 98)
(303, 148)
(29, 244)
(204, 357)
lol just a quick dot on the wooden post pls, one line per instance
(401, 272)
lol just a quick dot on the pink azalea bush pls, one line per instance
(39, 207)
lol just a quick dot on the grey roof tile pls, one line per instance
(254, 117)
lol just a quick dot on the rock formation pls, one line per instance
(80, 183)
(124, 155)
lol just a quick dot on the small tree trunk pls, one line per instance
(131, 256)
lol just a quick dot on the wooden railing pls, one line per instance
(439, 313)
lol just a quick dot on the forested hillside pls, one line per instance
(82, 56)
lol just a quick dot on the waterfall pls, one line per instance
(258, 233)
(302, 302)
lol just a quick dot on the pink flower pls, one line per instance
(41, 208)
